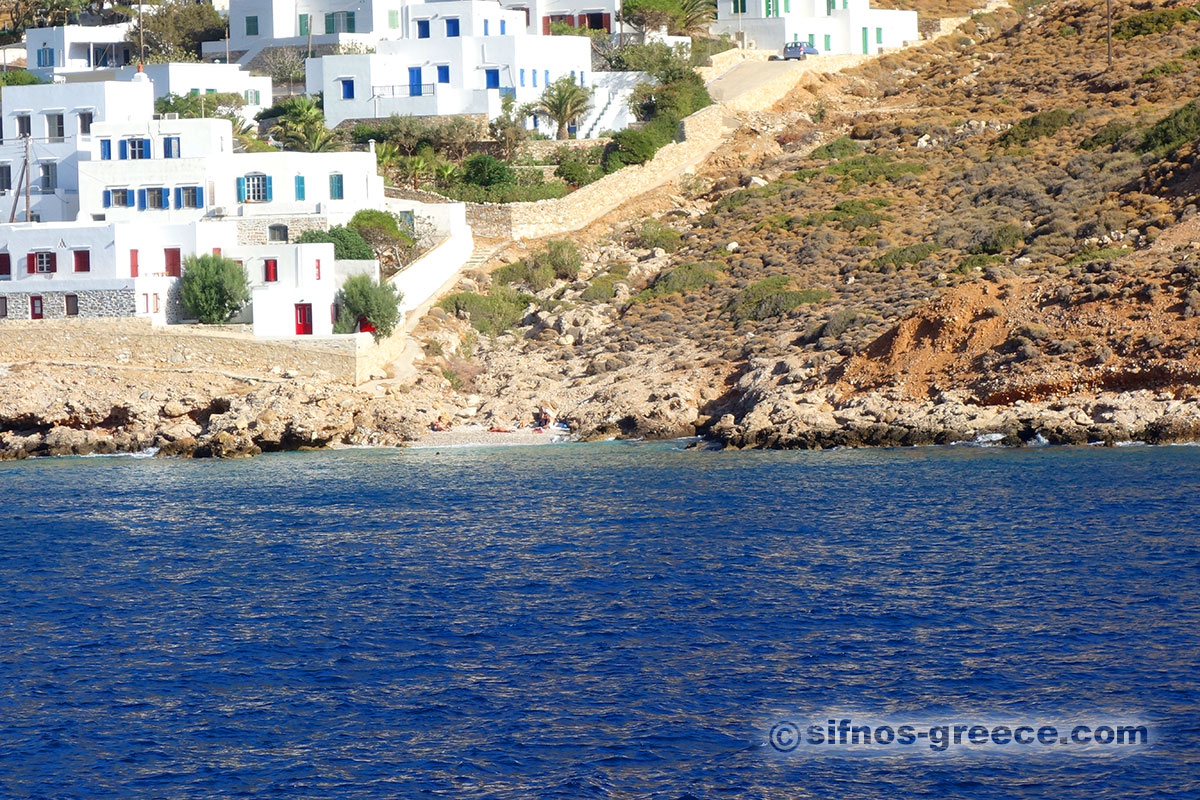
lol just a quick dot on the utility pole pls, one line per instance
(141, 34)
(16, 197)
(28, 175)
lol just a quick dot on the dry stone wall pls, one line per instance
(256, 230)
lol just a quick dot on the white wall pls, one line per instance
(422, 279)
(305, 275)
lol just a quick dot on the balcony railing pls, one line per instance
(403, 90)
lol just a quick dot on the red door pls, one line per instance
(304, 319)
(172, 260)
(133, 263)
(35, 307)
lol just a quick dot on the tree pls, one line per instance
(284, 65)
(348, 245)
(649, 15)
(385, 234)
(563, 102)
(485, 170)
(305, 137)
(445, 173)
(213, 288)
(361, 298)
(508, 129)
(176, 29)
(694, 17)
(411, 169)
(18, 77)
(193, 106)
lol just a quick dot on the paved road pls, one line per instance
(750, 75)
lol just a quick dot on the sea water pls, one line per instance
(592, 621)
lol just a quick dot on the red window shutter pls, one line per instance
(31, 263)
(607, 22)
(270, 270)
(83, 260)
(545, 26)
(582, 23)
(133, 263)
(172, 261)
(54, 262)
(318, 269)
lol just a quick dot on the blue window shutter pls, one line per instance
(485, 27)
(200, 196)
(422, 29)
(268, 188)
(443, 73)
(129, 198)
(141, 195)
(123, 149)
(547, 77)
(241, 190)
(299, 187)
(107, 198)
(349, 22)
(179, 197)
(503, 27)
(146, 153)
(105, 150)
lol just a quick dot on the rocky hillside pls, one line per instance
(993, 234)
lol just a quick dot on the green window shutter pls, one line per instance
(252, 26)
(827, 42)
(349, 22)
(305, 28)
(268, 193)
(879, 36)
(299, 187)
(393, 19)
(241, 190)
(329, 23)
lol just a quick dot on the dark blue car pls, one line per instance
(799, 51)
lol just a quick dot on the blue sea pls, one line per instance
(594, 621)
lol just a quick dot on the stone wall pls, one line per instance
(702, 132)
(726, 60)
(135, 342)
(542, 150)
(107, 303)
(253, 230)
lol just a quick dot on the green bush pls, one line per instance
(1193, 54)
(485, 170)
(654, 234)
(851, 214)
(1159, 20)
(18, 77)
(1164, 69)
(601, 290)
(213, 288)
(380, 230)
(506, 192)
(347, 243)
(903, 256)
(493, 313)
(561, 257)
(1108, 136)
(681, 279)
(630, 146)
(524, 274)
(361, 297)
(770, 297)
(1179, 127)
(998, 240)
(1038, 126)
(975, 262)
(838, 323)
(577, 173)
(873, 168)
(838, 148)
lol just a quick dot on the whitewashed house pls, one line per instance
(54, 52)
(196, 79)
(595, 15)
(831, 26)
(66, 269)
(58, 121)
(292, 288)
(459, 57)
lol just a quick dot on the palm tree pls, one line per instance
(695, 16)
(563, 102)
(411, 168)
(307, 137)
(445, 173)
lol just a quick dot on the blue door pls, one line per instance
(414, 81)
(492, 78)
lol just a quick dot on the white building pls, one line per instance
(459, 57)
(52, 52)
(194, 78)
(292, 289)
(831, 26)
(58, 121)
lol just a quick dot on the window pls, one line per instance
(24, 126)
(252, 26)
(305, 24)
(422, 29)
(277, 233)
(85, 122)
(44, 262)
(55, 129)
(335, 186)
(451, 28)
(534, 73)
(339, 22)
(582, 80)
(491, 79)
(45, 57)
(171, 147)
(135, 148)
(5, 266)
(157, 198)
(254, 189)
(827, 42)
(879, 36)
(48, 181)
(739, 6)
(118, 198)
(270, 270)
(3, 306)
(299, 187)
(393, 19)
(133, 263)
(253, 97)
(72, 302)
(443, 73)
(35, 307)
(189, 197)
(347, 88)
(171, 261)
(485, 27)
(5, 177)
(522, 74)
(82, 260)
(503, 27)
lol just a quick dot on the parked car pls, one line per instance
(798, 51)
